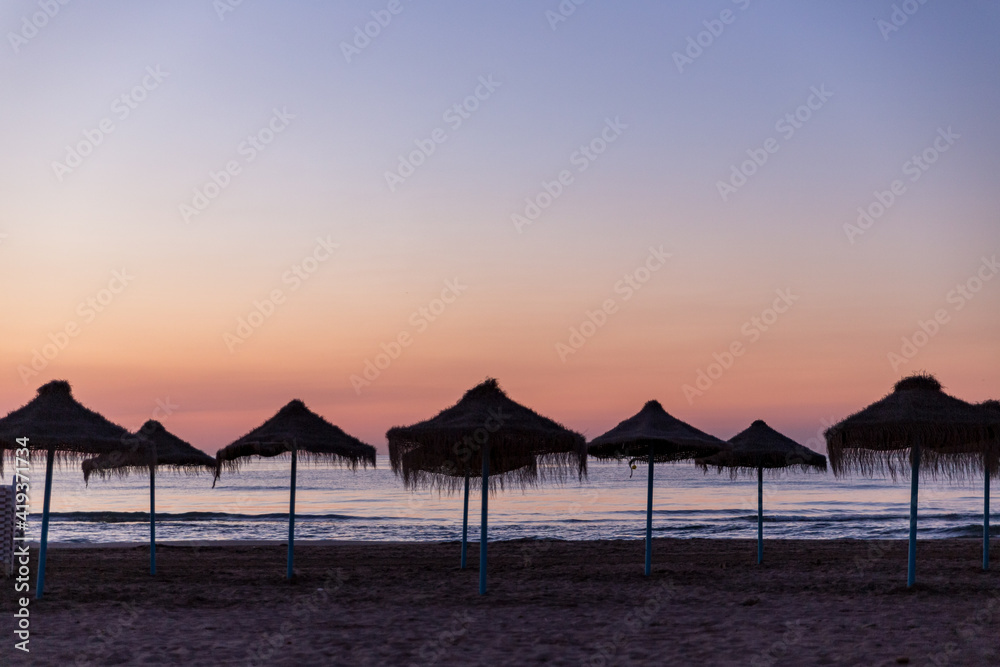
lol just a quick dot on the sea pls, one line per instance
(610, 503)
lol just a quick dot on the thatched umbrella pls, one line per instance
(756, 448)
(991, 468)
(54, 422)
(449, 448)
(916, 424)
(151, 447)
(654, 435)
(297, 429)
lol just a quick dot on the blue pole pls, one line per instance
(482, 529)
(465, 521)
(911, 568)
(291, 516)
(986, 520)
(152, 519)
(40, 586)
(760, 515)
(649, 513)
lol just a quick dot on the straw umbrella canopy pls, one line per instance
(150, 448)
(918, 426)
(758, 447)
(296, 429)
(55, 423)
(488, 439)
(991, 459)
(653, 435)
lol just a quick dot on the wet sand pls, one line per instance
(837, 602)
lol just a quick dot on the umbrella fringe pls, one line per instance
(238, 460)
(122, 472)
(737, 471)
(230, 455)
(955, 466)
(526, 459)
(663, 452)
(552, 468)
(443, 484)
(750, 461)
(62, 457)
(957, 438)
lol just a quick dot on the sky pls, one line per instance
(745, 210)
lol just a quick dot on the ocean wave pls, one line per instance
(862, 518)
(143, 517)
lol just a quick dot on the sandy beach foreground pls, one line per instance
(352, 603)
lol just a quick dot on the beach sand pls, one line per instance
(561, 603)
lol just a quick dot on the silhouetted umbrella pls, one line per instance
(991, 468)
(150, 448)
(521, 446)
(297, 429)
(654, 435)
(919, 424)
(756, 448)
(54, 422)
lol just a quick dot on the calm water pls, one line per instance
(373, 505)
